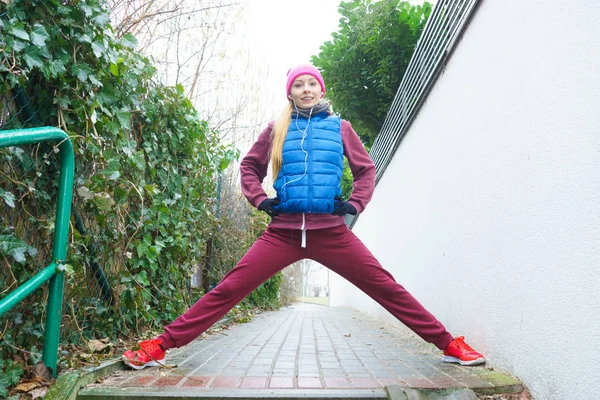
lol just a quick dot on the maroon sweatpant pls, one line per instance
(338, 249)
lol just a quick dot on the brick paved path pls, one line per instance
(315, 350)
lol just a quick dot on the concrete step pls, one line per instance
(100, 393)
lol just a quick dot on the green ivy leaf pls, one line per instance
(98, 48)
(114, 69)
(95, 80)
(32, 57)
(129, 40)
(39, 35)
(85, 193)
(142, 278)
(101, 19)
(112, 170)
(87, 10)
(8, 197)
(228, 157)
(103, 201)
(56, 68)
(16, 248)
(151, 189)
(18, 45)
(84, 38)
(124, 118)
(19, 32)
(224, 164)
(14, 373)
(81, 71)
(138, 160)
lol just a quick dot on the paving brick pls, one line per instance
(307, 361)
(258, 370)
(310, 382)
(284, 365)
(196, 381)
(263, 361)
(332, 372)
(419, 383)
(280, 382)
(284, 372)
(330, 365)
(167, 381)
(391, 381)
(254, 382)
(308, 368)
(364, 374)
(142, 380)
(233, 372)
(225, 382)
(337, 383)
(364, 383)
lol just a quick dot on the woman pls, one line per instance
(305, 148)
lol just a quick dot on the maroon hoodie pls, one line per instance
(254, 168)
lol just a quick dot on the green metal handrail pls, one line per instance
(55, 271)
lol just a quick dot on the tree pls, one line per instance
(364, 64)
(201, 45)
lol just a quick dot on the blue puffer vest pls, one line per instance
(311, 172)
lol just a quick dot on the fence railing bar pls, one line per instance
(421, 56)
(423, 89)
(440, 35)
(420, 72)
(25, 289)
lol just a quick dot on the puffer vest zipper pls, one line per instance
(312, 165)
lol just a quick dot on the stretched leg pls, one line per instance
(342, 252)
(272, 252)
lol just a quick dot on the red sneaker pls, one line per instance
(150, 354)
(460, 352)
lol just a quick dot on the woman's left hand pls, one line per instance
(343, 207)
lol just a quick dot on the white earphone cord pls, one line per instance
(301, 143)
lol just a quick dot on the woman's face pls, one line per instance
(306, 91)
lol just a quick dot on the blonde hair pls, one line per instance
(278, 135)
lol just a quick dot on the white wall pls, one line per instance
(489, 212)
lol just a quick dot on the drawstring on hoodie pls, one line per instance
(304, 132)
(303, 245)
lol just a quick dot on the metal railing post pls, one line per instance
(59, 256)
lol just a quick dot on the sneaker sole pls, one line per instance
(450, 359)
(148, 364)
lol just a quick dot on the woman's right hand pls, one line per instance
(268, 206)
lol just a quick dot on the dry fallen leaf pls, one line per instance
(27, 386)
(96, 346)
(40, 370)
(38, 393)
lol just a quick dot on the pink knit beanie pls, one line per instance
(303, 69)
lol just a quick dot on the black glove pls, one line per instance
(343, 207)
(267, 205)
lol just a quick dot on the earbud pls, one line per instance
(322, 95)
(290, 96)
